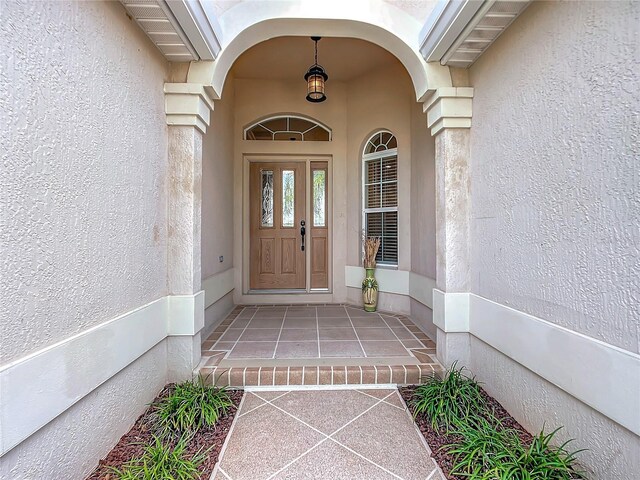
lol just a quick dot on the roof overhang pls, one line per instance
(183, 30)
(458, 31)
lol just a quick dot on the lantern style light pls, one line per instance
(315, 78)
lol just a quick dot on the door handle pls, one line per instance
(303, 231)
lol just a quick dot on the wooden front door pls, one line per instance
(277, 205)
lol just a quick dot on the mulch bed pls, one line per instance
(437, 441)
(132, 443)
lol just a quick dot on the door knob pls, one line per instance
(303, 231)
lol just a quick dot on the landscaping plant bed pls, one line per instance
(472, 436)
(437, 441)
(207, 439)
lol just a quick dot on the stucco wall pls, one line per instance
(555, 203)
(423, 196)
(555, 174)
(84, 153)
(70, 446)
(217, 186)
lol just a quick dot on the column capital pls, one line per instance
(187, 104)
(449, 107)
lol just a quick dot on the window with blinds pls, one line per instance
(380, 194)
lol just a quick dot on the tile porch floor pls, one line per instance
(320, 434)
(316, 345)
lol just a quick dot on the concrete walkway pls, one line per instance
(325, 434)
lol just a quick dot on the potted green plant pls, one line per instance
(369, 284)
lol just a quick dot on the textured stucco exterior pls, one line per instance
(184, 210)
(101, 203)
(555, 149)
(555, 203)
(83, 205)
(612, 450)
(69, 447)
(452, 210)
(84, 154)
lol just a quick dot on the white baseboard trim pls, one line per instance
(217, 286)
(421, 289)
(389, 281)
(37, 388)
(400, 282)
(601, 375)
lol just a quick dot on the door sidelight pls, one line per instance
(303, 231)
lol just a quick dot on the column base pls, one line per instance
(452, 347)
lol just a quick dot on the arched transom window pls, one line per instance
(380, 194)
(381, 141)
(288, 128)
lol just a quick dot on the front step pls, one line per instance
(325, 375)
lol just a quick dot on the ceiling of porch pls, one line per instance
(289, 58)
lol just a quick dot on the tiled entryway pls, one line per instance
(315, 332)
(316, 345)
(325, 434)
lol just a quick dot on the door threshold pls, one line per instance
(292, 291)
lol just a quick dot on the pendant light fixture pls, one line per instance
(315, 78)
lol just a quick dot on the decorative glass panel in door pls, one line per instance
(319, 228)
(288, 197)
(319, 184)
(266, 213)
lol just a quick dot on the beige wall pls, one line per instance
(217, 186)
(378, 100)
(83, 186)
(217, 208)
(423, 197)
(83, 215)
(555, 203)
(554, 147)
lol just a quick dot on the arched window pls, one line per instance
(288, 128)
(380, 194)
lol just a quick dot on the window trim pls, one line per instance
(379, 155)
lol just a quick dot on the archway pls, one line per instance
(426, 77)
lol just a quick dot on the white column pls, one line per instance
(188, 113)
(449, 112)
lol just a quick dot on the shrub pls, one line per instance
(489, 451)
(450, 401)
(546, 462)
(190, 406)
(160, 461)
(483, 446)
